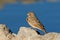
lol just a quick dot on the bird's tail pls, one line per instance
(44, 31)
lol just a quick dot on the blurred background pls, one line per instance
(14, 14)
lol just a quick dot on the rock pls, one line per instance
(26, 34)
(4, 33)
(30, 34)
(51, 36)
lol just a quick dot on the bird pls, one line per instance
(34, 22)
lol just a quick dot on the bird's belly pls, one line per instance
(33, 25)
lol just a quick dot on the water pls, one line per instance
(14, 15)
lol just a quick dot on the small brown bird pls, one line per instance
(34, 22)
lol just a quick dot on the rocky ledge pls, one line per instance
(26, 34)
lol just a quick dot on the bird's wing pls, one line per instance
(36, 20)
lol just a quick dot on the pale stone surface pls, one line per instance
(30, 34)
(26, 34)
(52, 36)
(4, 33)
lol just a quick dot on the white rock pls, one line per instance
(4, 33)
(30, 34)
(26, 34)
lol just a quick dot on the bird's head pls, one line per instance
(31, 14)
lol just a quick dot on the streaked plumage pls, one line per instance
(34, 22)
